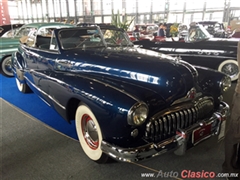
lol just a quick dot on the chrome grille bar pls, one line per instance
(186, 118)
(170, 125)
(178, 121)
(190, 116)
(174, 121)
(166, 125)
(182, 119)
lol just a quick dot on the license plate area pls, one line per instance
(201, 133)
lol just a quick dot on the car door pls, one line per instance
(37, 53)
(27, 39)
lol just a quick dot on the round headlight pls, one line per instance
(137, 114)
(225, 83)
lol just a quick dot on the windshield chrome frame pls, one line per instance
(203, 30)
(100, 30)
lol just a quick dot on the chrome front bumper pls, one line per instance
(178, 142)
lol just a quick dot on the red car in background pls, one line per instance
(145, 31)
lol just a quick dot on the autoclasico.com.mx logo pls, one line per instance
(189, 174)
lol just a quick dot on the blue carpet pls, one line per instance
(33, 105)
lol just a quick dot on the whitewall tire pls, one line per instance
(230, 67)
(89, 134)
(6, 67)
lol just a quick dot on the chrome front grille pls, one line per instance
(164, 125)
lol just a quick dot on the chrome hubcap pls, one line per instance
(90, 132)
(231, 70)
(7, 67)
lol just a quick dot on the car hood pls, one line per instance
(142, 73)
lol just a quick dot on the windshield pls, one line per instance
(93, 37)
(9, 33)
(198, 33)
(24, 31)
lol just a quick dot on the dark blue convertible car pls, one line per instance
(128, 103)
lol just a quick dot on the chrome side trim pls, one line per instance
(95, 80)
(57, 80)
(120, 90)
(50, 97)
(44, 101)
(190, 67)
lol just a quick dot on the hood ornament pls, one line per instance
(191, 95)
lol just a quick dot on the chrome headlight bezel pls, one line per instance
(225, 83)
(137, 114)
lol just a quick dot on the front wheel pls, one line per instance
(6, 67)
(89, 134)
(230, 67)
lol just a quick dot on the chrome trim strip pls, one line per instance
(50, 97)
(165, 125)
(178, 120)
(120, 90)
(156, 127)
(169, 119)
(186, 118)
(57, 80)
(160, 126)
(197, 55)
(174, 122)
(44, 101)
(95, 80)
(190, 116)
(182, 119)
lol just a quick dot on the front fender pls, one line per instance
(18, 66)
(210, 81)
(109, 104)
